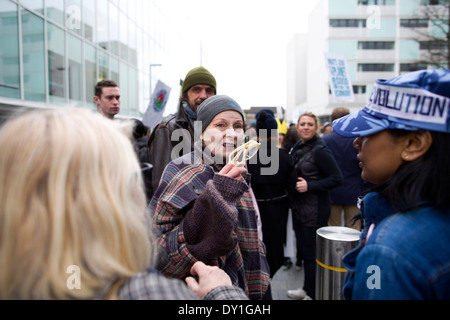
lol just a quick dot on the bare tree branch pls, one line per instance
(437, 45)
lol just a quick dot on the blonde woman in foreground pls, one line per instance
(72, 214)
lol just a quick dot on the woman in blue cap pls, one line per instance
(402, 135)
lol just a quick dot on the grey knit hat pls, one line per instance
(214, 105)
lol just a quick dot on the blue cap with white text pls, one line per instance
(415, 101)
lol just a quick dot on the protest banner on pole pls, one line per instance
(340, 83)
(154, 113)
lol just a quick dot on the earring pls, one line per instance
(405, 156)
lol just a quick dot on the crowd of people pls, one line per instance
(145, 216)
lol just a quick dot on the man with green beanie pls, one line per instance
(198, 85)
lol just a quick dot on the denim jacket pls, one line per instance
(402, 256)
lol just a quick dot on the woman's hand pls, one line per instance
(208, 278)
(301, 185)
(233, 171)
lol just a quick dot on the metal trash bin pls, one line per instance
(331, 244)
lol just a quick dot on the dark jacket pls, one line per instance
(160, 144)
(315, 163)
(345, 155)
(280, 173)
(140, 147)
(272, 173)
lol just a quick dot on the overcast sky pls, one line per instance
(244, 42)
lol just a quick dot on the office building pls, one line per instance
(53, 52)
(380, 40)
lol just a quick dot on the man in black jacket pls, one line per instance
(173, 137)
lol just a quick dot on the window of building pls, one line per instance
(114, 41)
(115, 70)
(376, 45)
(54, 10)
(133, 89)
(9, 51)
(75, 69)
(410, 67)
(438, 45)
(375, 67)
(414, 23)
(102, 23)
(434, 2)
(73, 16)
(90, 61)
(89, 14)
(348, 23)
(103, 65)
(132, 45)
(123, 42)
(376, 2)
(33, 56)
(36, 5)
(359, 89)
(56, 64)
(124, 88)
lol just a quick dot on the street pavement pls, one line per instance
(284, 280)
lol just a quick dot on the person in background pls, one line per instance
(272, 172)
(282, 130)
(107, 98)
(325, 129)
(251, 131)
(403, 148)
(140, 135)
(291, 138)
(317, 173)
(203, 209)
(344, 198)
(72, 223)
(198, 85)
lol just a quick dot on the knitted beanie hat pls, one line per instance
(198, 75)
(214, 105)
(265, 120)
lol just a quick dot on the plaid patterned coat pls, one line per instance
(150, 285)
(201, 215)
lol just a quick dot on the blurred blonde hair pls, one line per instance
(70, 194)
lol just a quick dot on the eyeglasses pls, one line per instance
(244, 152)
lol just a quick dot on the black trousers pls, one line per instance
(306, 244)
(274, 216)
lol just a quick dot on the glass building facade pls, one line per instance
(53, 52)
